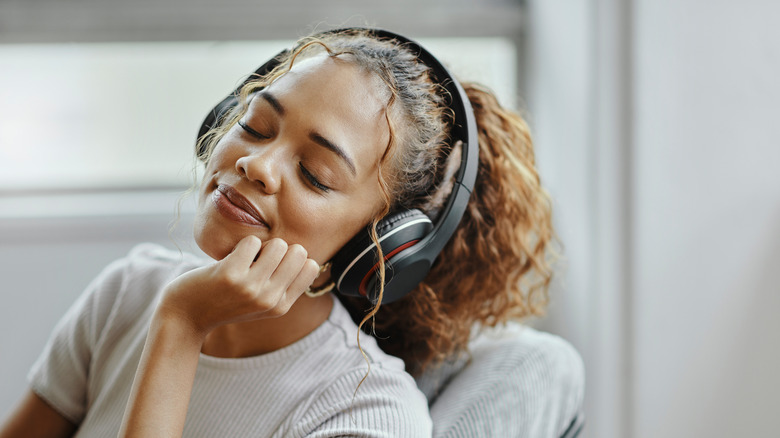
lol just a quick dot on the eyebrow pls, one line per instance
(314, 136)
(324, 142)
(274, 103)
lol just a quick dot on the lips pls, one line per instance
(235, 206)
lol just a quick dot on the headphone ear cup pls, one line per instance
(214, 117)
(353, 267)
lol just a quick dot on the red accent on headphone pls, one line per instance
(364, 281)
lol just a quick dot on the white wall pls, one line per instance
(707, 218)
(657, 129)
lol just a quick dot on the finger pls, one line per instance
(306, 276)
(245, 251)
(308, 273)
(268, 261)
(289, 267)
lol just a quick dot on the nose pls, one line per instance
(261, 167)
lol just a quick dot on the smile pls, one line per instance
(236, 207)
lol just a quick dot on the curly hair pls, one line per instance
(497, 266)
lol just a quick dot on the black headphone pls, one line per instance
(410, 240)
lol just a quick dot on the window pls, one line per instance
(119, 116)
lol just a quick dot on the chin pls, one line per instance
(214, 241)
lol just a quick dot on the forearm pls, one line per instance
(163, 381)
(35, 418)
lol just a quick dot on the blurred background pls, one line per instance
(656, 133)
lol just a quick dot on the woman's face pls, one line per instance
(303, 167)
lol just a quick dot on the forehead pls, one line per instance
(341, 101)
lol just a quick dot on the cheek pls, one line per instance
(219, 160)
(325, 230)
(213, 234)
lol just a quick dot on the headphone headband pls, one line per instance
(409, 240)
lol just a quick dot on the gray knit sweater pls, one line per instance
(306, 389)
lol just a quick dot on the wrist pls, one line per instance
(176, 325)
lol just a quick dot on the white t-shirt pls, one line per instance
(305, 389)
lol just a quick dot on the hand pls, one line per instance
(243, 286)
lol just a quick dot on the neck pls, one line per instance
(254, 338)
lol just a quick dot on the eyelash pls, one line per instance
(306, 174)
(251, 131)
(312, 179)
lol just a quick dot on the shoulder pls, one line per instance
(146, 264)
(132, 283)
(357, 399)
(347, 352)
(367, 403)
(150, 258)
(536, 364)
(534, 379)
(526, 345)
(105, 319)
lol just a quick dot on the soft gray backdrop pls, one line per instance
(656, 131)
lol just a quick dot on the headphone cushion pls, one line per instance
(359, 254)
(363, 239)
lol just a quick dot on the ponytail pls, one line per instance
(497, 266)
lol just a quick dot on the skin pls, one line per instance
(249, 301)
(343, 104)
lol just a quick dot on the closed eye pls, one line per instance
(312, 179)
(254, 133)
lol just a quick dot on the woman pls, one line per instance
(347, 130)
